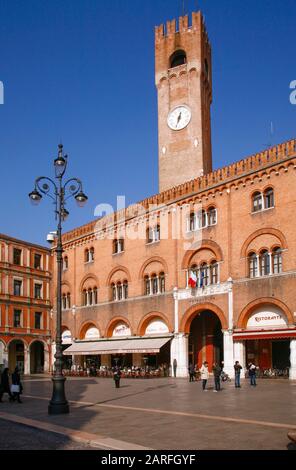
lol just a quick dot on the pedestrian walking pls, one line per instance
(237, 373)
(217, 374)
(117, 377)
(4, 385)
(16, 386)
(204, 375)
(175, 367)
(252, 374)
(191, 370)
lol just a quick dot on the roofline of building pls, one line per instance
(4, 237)
(216, 178)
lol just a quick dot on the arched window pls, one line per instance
(162, 282)
(113, 291)
(268, 198)
(125, 289)
(204, 275)
(253, 265)
(119, 291)
(91, 254)
(153, 234)
(86, 255)
(257, 202)
(192, 222)
(154, 281)
(68, 300)
(118, 246)
(146, 285)
(202, 219)
(95, 296)
(65, 263)
(90, 296)
(84, 297)
(264, 263)
(212, 216)
(214, 272)
(64, 301)
(277, 260)
(178, 58)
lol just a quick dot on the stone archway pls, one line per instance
(37, 357)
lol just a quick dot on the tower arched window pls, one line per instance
(253, 265)
(192, 222)
(84, 297)
(154, 284)
(113, 291)
(204, 275)
(277, 260)
(178, 58)
(201, 219)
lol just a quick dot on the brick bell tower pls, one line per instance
(183, 75)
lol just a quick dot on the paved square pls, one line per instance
(167, 413)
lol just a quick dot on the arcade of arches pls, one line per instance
(30, 359)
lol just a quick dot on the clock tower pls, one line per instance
(183, 74)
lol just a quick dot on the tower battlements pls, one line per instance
(173, 27)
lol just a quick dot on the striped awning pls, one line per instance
(122, 346)
(264, 334)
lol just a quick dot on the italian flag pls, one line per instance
(192, 279)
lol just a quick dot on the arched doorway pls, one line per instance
(37, 357)
(205, 339)
(16, 355)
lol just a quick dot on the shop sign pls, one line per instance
(121, 330)
(271, 318)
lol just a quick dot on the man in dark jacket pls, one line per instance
(237, 373)
(4, 385)
(217, 374)
(117, 377)
(191, 370)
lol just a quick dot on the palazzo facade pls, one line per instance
(126, 290)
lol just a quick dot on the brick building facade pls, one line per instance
(25, 321)
(127, 277)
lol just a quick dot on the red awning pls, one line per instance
(276, 334)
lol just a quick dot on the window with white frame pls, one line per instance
(153, 234)
(37, 261)
(118, 246)
(119, 290)
(17, 287)
(89, 255)
(65, 263)
(17, 318)
(253, 265)
(277, 260)
(17, 256)
(90, 296)
(154, 284)
(37, 290)
(204, 274)
(202, 219)
(263, 200)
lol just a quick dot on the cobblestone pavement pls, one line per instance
(170, 413)
(16, 436)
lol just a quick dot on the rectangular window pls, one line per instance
(17, 256)
(17, 317)
(38, 318)
(38, 291)
(37, 261)
(17, 287)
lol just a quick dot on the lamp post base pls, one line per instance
(58, 403)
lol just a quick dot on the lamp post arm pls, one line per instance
(73, 188)
(45, 188)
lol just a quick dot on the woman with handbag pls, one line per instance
(16, 386)
(4, 385)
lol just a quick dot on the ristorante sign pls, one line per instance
(267, 319)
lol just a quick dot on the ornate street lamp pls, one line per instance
(59, 192)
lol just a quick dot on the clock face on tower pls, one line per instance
(179, 117)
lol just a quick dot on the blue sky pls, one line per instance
(82, 72)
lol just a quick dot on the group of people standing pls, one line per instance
(218, 373)
(15, 389)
